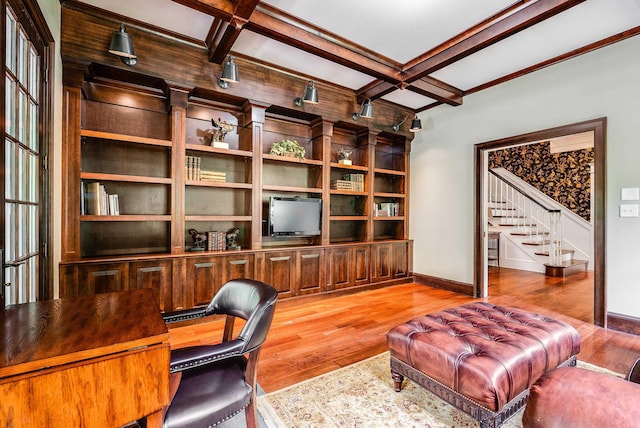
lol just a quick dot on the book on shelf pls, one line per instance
(220, 177)
(192, 167)
(386, 209)
(357, 181)
(216, 241)
(98, 202)
(342, 185)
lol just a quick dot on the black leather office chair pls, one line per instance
(219, 381)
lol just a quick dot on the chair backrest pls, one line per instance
(251, 300)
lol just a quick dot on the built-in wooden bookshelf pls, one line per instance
(154, 152)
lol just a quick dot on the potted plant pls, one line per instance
(288, 148)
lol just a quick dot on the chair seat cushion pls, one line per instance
(199, 401)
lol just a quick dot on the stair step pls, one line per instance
(528, 233)
(543, 242)
(546, 253)
(516, 224)
(508, 216)
(565, 267)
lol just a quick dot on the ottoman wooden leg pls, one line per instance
(397, 381)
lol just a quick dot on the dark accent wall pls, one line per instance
(565, 177)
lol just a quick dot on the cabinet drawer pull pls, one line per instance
(310, 256)
(237, 262)
(280, 259)
(203, 265)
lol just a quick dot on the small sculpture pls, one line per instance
(232, 239)
(199, 240)
(344, 156)
(218, 132)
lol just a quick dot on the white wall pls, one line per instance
(604, 83)
(52, 13)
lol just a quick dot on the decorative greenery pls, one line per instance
(283, 147)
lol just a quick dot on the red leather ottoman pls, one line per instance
(480, 357)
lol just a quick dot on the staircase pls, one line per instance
(536, 233)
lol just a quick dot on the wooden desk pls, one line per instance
(90, 361)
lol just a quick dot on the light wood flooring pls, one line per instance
(312, 337)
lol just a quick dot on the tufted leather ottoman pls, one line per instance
(480, 357)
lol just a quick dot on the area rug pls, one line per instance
(362, 395)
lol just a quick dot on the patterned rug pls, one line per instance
(362, 395)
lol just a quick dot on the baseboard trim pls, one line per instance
(445, 284)
(623, 323)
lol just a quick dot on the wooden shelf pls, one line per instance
(273, 188)
(389, 172)
(125, 217)
(347, 192)
(348, 217)
(226, 185)
(124, 178)
(388, 195)
(350, 167)
(125, 138)
(226, 152)
(217, 218)
(387, 218)
(291, 160)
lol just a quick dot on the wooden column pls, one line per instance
(178, 99)
(254, 116)
(325, 131)
(71, 124)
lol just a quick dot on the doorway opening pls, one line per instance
(598, 128)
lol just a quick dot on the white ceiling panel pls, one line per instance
(161, 13)
(402, 29)
(274, 52)
(408, 98)
(586, 23)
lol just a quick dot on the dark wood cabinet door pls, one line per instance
(400, 260)
(381, 262)
(279, 272)
(311, 271)
(203, 279)
(341, 268)
(102, 278)
(156, 275)
(362, 264)
(237, 266)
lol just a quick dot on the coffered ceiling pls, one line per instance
(416, 53)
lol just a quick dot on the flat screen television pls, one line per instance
(295, 216)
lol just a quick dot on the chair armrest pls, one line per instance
(183, 315)
(634, 373)
(195, 356)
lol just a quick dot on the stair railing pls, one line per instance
(542, 224)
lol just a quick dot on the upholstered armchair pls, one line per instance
(213, 383)
(570, 397)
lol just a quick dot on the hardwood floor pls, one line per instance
(312, 337)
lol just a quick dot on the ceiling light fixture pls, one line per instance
(122, 46)
(366, 110)
(229, 74)
(416, 125)
(310, 95)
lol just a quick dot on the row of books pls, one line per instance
(386, 209)
(96, 201)
(216, 241)
(196, 173)
(354, 182)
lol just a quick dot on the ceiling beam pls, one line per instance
(436, 89)
(495, 29)
(278, 25)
